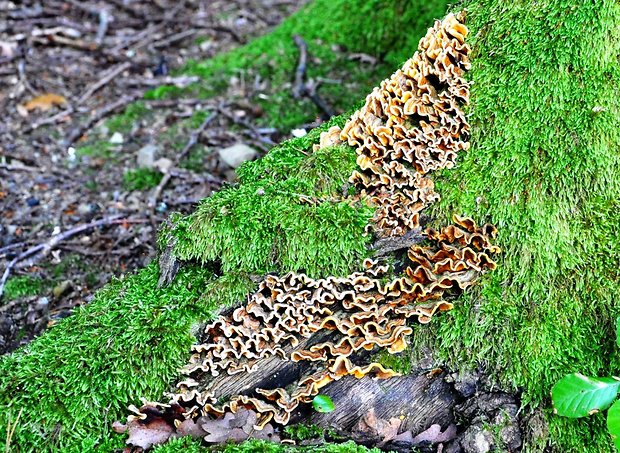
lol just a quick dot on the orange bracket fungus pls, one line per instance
(410, 126)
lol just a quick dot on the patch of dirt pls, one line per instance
(65, 67)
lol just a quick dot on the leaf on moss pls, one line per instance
(613, 423)
(576, 395)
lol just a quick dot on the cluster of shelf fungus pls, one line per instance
(411, 125)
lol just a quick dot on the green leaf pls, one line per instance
(323, 403)
(618, 331)
(613, 423)
(576, 395)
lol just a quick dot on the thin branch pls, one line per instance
(180, 82)
(41, 250)
(6, 248)
(102, 28)
(302, 88)
(97, 116)
(299, 87)
(59, 117)
(252, 131)
(103, 81)
(193, 140)
(174, 38)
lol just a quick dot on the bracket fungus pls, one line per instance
(411, 125)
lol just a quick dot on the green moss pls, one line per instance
(141, 179)
(275, 56)
(124, 121)
(228, 290)
(99, 149)
(79, 377)
(300, 432)
(255, 227)
(544, 168)
(401, 363)
(182, 444)
(26, 285)
(267, 447)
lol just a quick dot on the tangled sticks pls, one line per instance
(411, 125)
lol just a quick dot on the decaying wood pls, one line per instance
(390, 244)
(418, 400)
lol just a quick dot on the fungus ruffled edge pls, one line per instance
(411, 125)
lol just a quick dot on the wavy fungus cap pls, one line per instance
(411, 125)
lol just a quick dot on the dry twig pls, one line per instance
(308, 88)
(193, 140)
(97, 116)
(40, 250)
(108, 76)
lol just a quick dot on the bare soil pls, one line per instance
(66, 67)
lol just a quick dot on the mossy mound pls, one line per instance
(68, 386)
(255, 227)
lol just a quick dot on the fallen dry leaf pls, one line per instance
(145, 435)
(44, 102)
(372, 426)
(434, 435)
(236, 427)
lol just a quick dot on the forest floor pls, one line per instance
(76, 149)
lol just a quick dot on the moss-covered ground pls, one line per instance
(333, 30)
(255, 227)
(543, 167)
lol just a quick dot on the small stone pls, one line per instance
(235, 155)
(61, 288)
(298, 132)
(86, 208)
(32, 201)
(42, 303)
(163, 164)
(117, 138)
(477, 440)
(146, 156)
(161, 207)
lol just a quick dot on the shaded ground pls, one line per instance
(67, 158)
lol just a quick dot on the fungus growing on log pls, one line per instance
(410, 126)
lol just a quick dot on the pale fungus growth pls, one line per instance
(411, 125)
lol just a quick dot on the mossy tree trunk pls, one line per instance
(544, 167)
